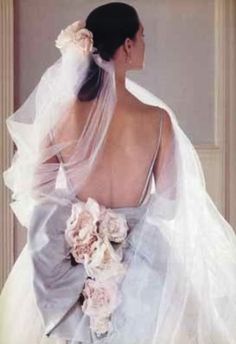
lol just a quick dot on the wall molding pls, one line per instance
(211, 157)
(230, 37)
(225, 107)
(217, 158)
(6, 146)
(217, 169)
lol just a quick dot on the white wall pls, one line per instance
(179, 60)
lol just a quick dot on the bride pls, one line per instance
(124, 244)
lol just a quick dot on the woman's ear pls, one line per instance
(127, 46)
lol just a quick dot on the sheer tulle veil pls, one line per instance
(188, 245)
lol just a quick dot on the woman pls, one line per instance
(124, 244)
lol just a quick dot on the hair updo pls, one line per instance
(110, 24)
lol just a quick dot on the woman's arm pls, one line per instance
(47, 168)
(57, 283)
(166, 146)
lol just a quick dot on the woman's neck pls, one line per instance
(120, 86)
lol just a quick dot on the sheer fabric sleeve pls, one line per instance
(201, 246)
(166, 167)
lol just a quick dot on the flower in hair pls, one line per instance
(75, 35)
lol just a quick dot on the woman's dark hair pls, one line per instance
(110, 24)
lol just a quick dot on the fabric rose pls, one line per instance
(113, 225)
(100, 300)
(90, 230)
(100, 325)
(81, 231)
(75, 35)
(105, 262)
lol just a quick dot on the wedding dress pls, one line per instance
(178, 254)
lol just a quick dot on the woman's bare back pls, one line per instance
(122, 169)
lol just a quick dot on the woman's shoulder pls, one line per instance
(157, 117)
(159, 114)
(153, 111)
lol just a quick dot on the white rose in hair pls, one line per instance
(75, 35)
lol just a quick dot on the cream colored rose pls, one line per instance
(100, 325)
(81, 231)
(100, 300)
(113, 225)
(75, 35)
(105, 262)
(90, 228)
(82, 251)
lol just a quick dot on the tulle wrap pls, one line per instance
(180, 286)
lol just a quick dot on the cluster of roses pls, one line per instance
(91, 230)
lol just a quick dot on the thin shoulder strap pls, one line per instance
(52, 138)
(153, 160)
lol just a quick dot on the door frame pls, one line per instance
(6, 146)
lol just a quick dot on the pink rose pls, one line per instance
(100, 325)
(90, 228)
(81, 231)
(113, 225)
(100, 300)
(105, 262)
(81, 251)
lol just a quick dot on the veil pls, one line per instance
(180, 282)
(36, 127)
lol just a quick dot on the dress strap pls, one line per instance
(152, 162)
(52, 139)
